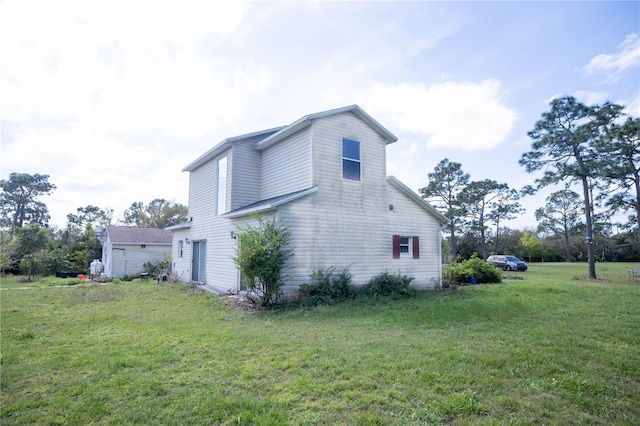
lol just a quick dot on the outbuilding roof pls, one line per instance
(136, 235)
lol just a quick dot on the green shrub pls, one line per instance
(465, 272)
(156, 267)
(329, 287)
(386, 284)
(261, 256)
(56, 259)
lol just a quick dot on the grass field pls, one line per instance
(553, 348)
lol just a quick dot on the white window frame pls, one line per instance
(359, 160)
(221, 187)
(408, 245)
(180, 249)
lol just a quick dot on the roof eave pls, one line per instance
(177, 226)
(137, 243)
(307, 119)
(222, 146)
(270, 206)
(250, 212)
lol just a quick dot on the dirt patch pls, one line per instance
(240, 303)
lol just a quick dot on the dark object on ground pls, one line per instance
(68, 274)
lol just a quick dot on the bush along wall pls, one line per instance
(473, 271)
(329, 287)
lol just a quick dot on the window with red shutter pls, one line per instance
(396, 246)
(406, 247)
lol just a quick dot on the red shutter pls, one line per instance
(396, 246)
(416, 248)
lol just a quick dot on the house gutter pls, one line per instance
(183, 225)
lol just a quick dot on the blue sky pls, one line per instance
(113, 99)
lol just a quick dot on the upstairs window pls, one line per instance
(350, 159)
(222, 186)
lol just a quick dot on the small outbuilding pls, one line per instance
(127, 248)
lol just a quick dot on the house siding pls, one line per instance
(208, 227)
(349, 223)
(362, 243)
(181, 266)
(286, 166)
(245, 172)
(409, 219)
(344, 223)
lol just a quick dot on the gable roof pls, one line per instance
(135, 235)
(226, 144)
(270, 203)
(270, 136)
(419, 200)
(307, 119)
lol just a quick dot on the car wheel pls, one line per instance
(508, 268)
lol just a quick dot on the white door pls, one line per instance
(118, 263)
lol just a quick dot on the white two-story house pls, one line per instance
(324, 178)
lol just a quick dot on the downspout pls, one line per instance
(440, 269)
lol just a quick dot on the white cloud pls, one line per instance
(456, 115)
(90, 168)
(591, 98)
(615, 64)
(184, 96)
(632, 106)
(124, 67)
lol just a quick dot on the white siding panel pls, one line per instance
(409, 219)
(245, 188)
(327, 153)
(286, 166)
(206, 226)
(202, 191)
(349, 224)
(361, 241)
(181, 267)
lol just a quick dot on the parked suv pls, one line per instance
(507, 263)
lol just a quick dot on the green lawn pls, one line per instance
(553, 348)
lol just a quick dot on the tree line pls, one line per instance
(31, 246)
(595, 147)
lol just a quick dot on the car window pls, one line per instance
(513, 259)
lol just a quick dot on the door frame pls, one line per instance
(199, 261)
